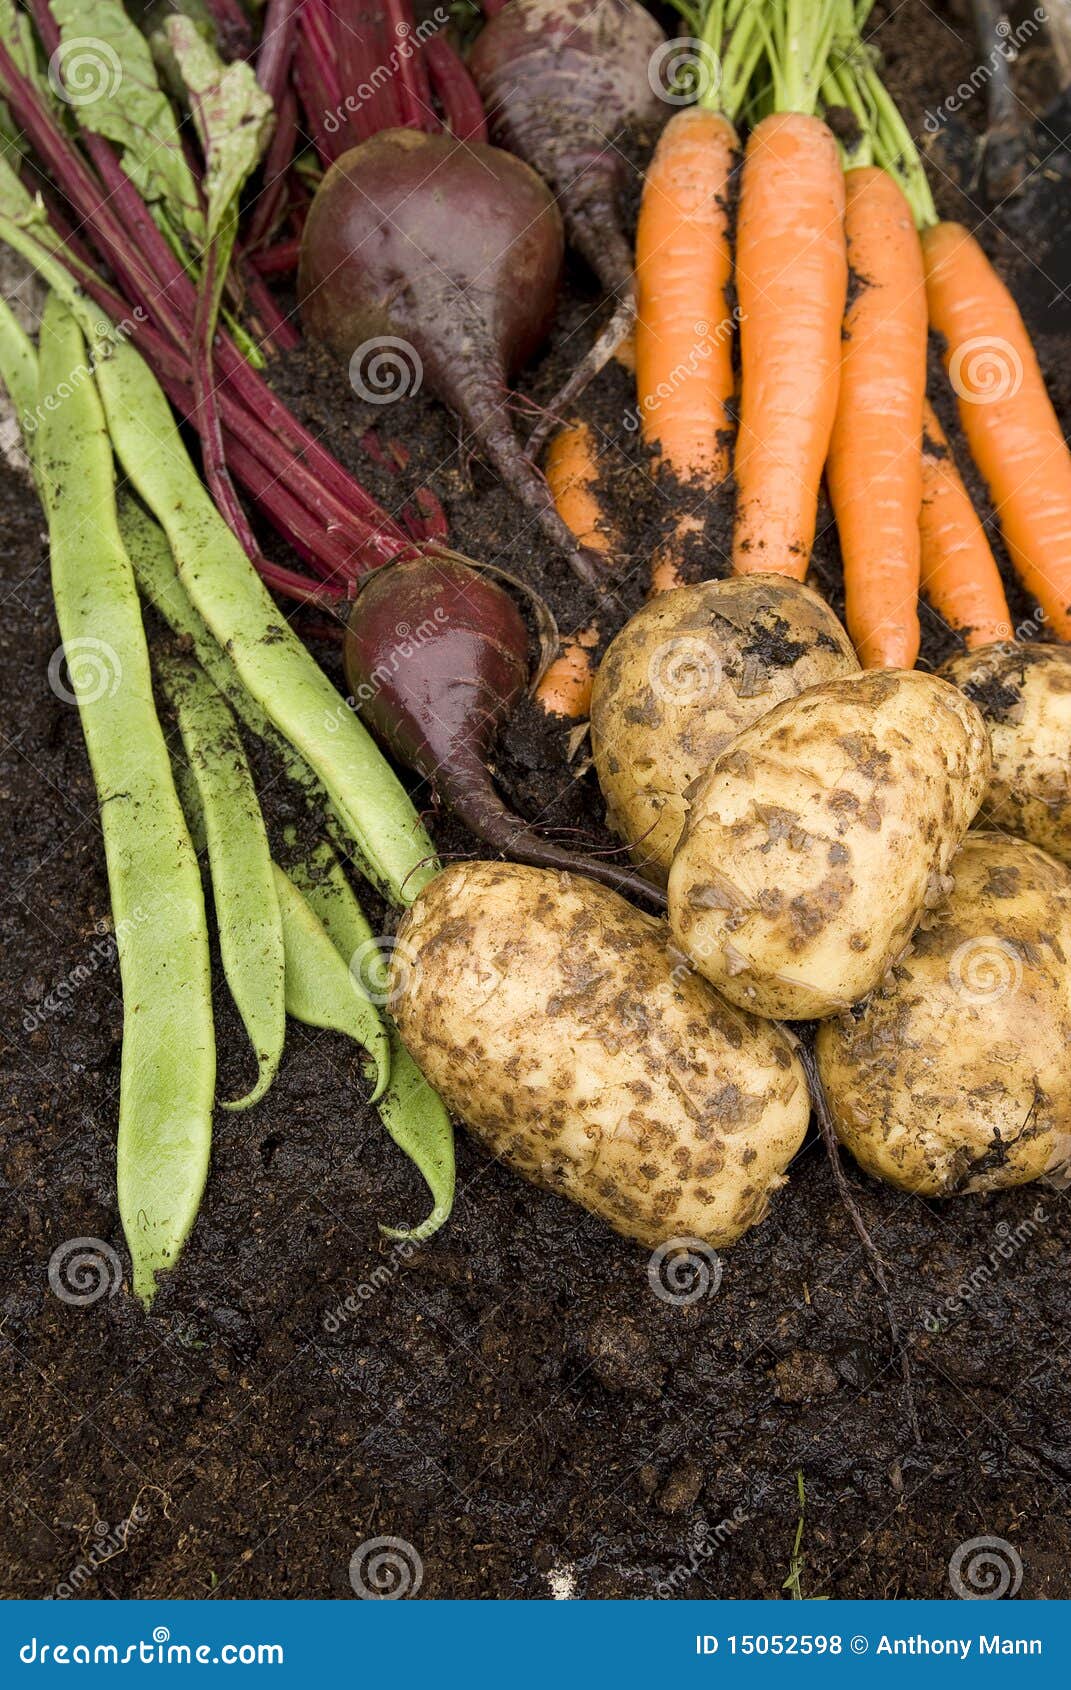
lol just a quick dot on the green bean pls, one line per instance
(239, 857)
(271, 661)
(158, 579)
(320, 990)
(413, 1113)
(169, 1061)
(18, 370)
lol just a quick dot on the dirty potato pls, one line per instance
(550, 1015)
(816, 841)
(1024, 693)
(954, 1075)
(683, 677)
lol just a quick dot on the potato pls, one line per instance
(551, 1017)
(682, 678)
(818, 838)
(1024, 693)
(954, 1075)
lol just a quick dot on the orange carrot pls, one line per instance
(874, 471)
(684, 362)
(684, 263)
(960, 578)
(565, 686)
(791, 279)
(572, 473)
(1006, 413)
(684, 334)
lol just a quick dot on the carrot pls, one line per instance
(684, 351)
(684, 263)
(564, 688)
(874, 470)
(791, 284)
(1006, 413)
(960, 578)
(572, 475)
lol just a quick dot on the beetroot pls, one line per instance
(455, 250)
(436, 656)
(563, 82)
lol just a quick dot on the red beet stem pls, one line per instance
(318, 99)
(273, 332)
(278, 260)
(455, 90)
(276, 48)
(234, 33)
(414, 94)
(271, 201)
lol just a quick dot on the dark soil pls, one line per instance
(513, 1399)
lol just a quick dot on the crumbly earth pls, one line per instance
(514, 1399)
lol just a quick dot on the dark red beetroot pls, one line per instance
(563, 81)
(436, 657)
(456, 248)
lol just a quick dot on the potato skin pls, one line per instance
(550, 1015)
(683, 677)
(1024, 693)
(818, 838)
(954, 1075)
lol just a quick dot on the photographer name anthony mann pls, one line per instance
(960, 1646)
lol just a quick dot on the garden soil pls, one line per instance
(513, 1400)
